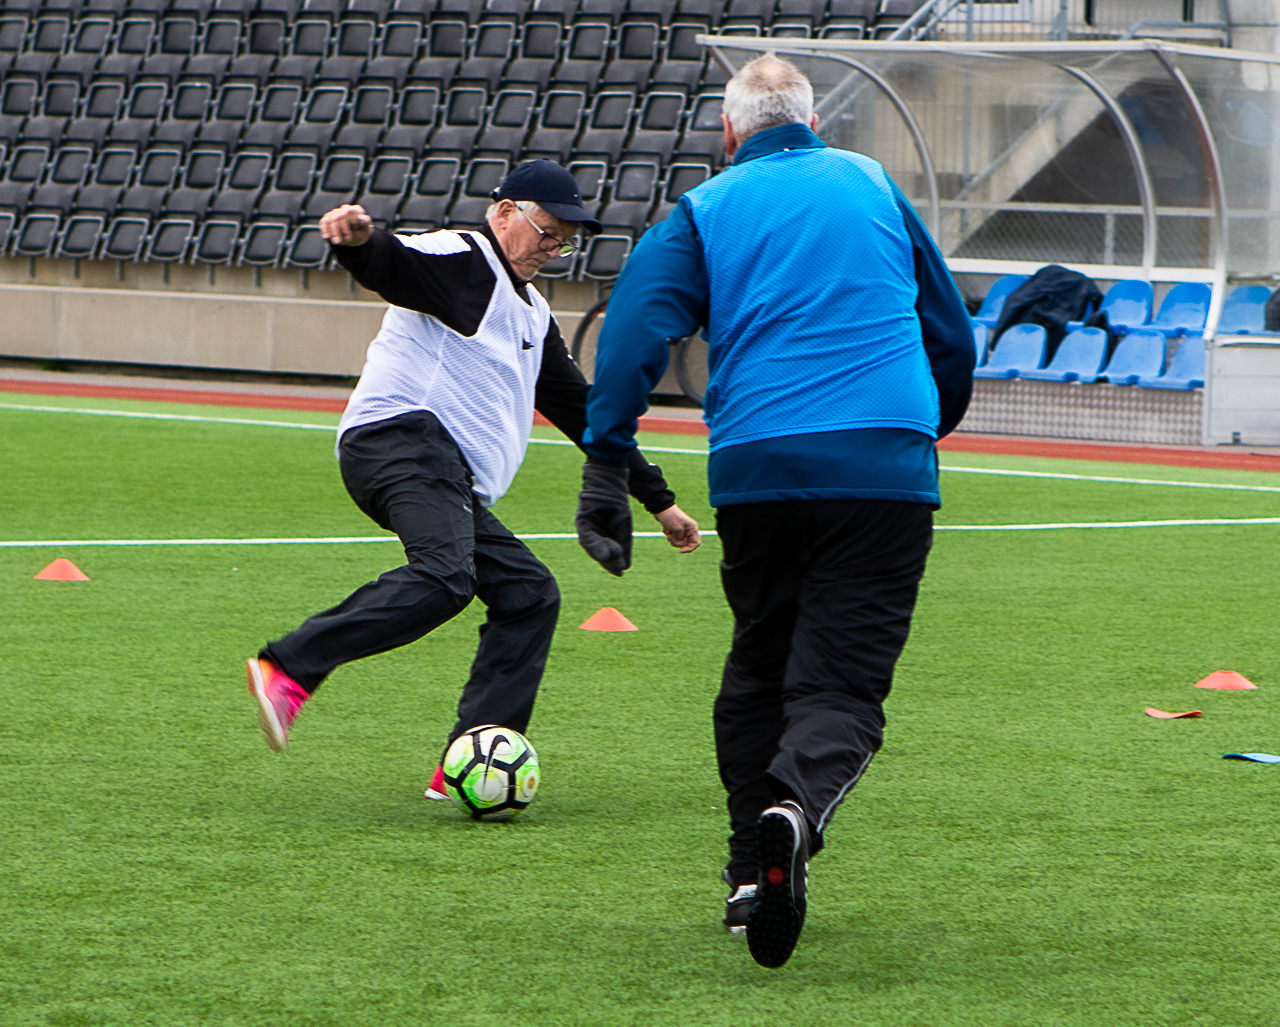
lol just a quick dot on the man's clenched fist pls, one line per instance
(347, 225)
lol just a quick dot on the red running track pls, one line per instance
(1170, 456)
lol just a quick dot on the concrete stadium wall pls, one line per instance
(284, 322)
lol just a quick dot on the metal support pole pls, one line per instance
(968, 21)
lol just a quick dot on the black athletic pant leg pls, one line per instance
(523, 604)
(822, 593)
(408, 475)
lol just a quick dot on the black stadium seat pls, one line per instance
(87, 47)
(132, 44)
(113, 172)
(606, 130)
(218, 47)
(415, 119)
(464, 110)
(276, 114)
(385, 188)
(290, 184)
(48, 36)
(658, 126)
(80, 236)
(187, 113)
(243, 185)
(146, 102)
(17, 103)
(558, 124)
(230, 113)
(370, 110)
(634, 55)
(426, 206)
(338, 183)
(585, 55)
(483, 176)
(319, 119)
(508, 123)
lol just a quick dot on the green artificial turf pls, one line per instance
(1028, 848)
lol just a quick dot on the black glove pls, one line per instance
(604, 515)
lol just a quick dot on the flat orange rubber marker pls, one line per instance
(62, 570)
(1226, 679)
(607, 619)
(1151, 711)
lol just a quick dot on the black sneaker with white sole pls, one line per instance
(738, 906)
(776, 919)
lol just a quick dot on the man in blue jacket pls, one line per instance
(839, 352)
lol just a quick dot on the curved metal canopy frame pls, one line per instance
(900, 105)
(1146, 193)
(1165, 53)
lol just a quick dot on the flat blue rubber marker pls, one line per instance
(1256, 757)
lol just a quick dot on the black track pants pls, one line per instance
(408, 475)
(822, 593)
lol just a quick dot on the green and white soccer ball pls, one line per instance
(491, 773)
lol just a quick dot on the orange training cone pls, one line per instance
(65, 570)
(1162, 715)
(607, 619)
(1226, 679)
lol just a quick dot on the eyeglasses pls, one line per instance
(561, 247)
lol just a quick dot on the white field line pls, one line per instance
(652, 449)
(335, 540)
(346, 540)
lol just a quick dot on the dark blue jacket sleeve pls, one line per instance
(661, 296)
(944, 321)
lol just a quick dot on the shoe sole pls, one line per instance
(272, 730)
(435, 796)
(773, 927)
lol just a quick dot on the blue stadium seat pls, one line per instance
(1139, 354)
(993, 303)
(1127, 306)
(1020, 348)
(981, 336)
(1244, 312)
(1079, 358)
(1185, 370)
(1184, 309)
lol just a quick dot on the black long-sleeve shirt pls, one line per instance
(456, 289)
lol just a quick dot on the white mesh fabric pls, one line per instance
(480, 386)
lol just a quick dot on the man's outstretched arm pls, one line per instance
(661, 297)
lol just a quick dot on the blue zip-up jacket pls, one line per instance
(838, 345)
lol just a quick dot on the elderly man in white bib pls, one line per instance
(433, 435)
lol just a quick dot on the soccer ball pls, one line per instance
(491, 772)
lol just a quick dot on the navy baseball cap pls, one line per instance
(551, 187)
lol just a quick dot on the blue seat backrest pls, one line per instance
(1245, 310)
(1188, 363)
(1000, 291)
(1128, 302)
(1021, 346)
(981, 338)
(1139, 354)
(1186, 306)
(1082, 352)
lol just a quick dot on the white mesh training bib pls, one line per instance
(479, 386)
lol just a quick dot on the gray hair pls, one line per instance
(528, 206)
(767, 92)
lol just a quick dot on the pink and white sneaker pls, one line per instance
(279, 700)
(436, 790)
